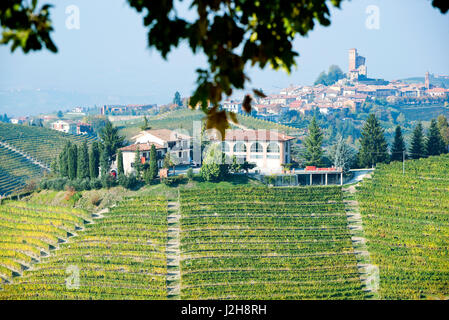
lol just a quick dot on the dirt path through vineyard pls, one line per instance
(369, 273)
(173, 251)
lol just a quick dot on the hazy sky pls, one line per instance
(108, 58)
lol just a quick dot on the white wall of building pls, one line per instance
(266, 162)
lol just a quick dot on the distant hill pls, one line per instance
(34, 102)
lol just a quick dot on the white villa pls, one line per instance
(269, 150)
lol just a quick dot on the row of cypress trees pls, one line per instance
(81, 162)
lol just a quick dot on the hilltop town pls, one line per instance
(350, 92)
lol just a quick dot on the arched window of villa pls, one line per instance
(273, 147)
(239, 147)
(225, 147)
(256, 147)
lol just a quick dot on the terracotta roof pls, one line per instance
(165, 134)
(256, 135)
(296, 104)
(357, 96)
(142, 147)
(437, 90)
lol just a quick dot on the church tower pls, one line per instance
(352, 59)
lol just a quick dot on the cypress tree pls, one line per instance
(145, 125)
(72, 161)
(443, 125)
(120, 169)
(94, 160)
(83, 162)
(111, 139)
(313, 142)
(104, 162)
(63, 161)
(342, 154)
(147, 176)
(54, 167)
(167, 161)
(374, 147)
(398, 148)
(137, 163)
(417, 148)
(434, 143)
(153, 162)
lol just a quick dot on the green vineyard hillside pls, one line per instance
(118, 256)
(267, 243)
(238, 242)
(29, 231)
(406, 223)
(185, 119)
(16, 170)
(251, 122)
(43, 144)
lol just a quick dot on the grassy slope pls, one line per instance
(406, 222)
(174, 120)
(254, 123)
(96, 200)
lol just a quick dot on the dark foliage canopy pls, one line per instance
(398, 148)
(417, 147)
(373, 145)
